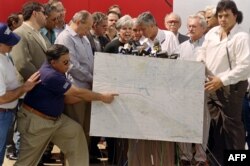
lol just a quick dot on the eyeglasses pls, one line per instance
(173, 22)
(66, 62)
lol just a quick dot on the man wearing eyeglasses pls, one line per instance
(29, 53)
(40, 119)
(173, 24)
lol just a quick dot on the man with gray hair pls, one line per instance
(154, 35)
(173, 23)
(196, 28)
(82, 60)
(211, 19)
(147, 151)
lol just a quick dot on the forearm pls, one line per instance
(72, 99)
(12, 95)
(88, 95)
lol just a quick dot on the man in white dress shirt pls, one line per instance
(151, 152)
(226, 55)
(166, 39)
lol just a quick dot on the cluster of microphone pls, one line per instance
(137, 49)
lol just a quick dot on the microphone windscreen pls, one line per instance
(120, 48)
(127, 46)
(156, 43)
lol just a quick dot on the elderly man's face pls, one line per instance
(211, 19)
(195, 29)
(172, 23)
(84, 27)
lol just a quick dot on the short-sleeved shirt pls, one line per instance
(48, 96)
(8, 80)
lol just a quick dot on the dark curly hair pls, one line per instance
(229, 5)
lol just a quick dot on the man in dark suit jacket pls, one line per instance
(96, 36)
(182, 38)
(173, 23)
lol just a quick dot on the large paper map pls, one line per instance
(159, 99)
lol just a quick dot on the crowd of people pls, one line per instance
(46, 77)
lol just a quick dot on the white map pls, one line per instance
(159, 99)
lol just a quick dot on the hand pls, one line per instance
(108, 97)
(213, 84)
(32, 81)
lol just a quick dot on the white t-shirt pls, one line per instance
(8, 80)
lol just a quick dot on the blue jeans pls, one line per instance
(246, 118)
(6, 119)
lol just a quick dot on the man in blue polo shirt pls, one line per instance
(40, 119)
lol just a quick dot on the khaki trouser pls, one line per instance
(80, 112)
(37, 132)
(186, 150)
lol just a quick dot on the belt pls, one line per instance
(6, 109)
(38, 113)
(3, 109)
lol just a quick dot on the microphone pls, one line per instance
(157, 51)
(121, 50)
(144, 46)
(127, 46)
(126, 49)
(143, 49)
(156, 47)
